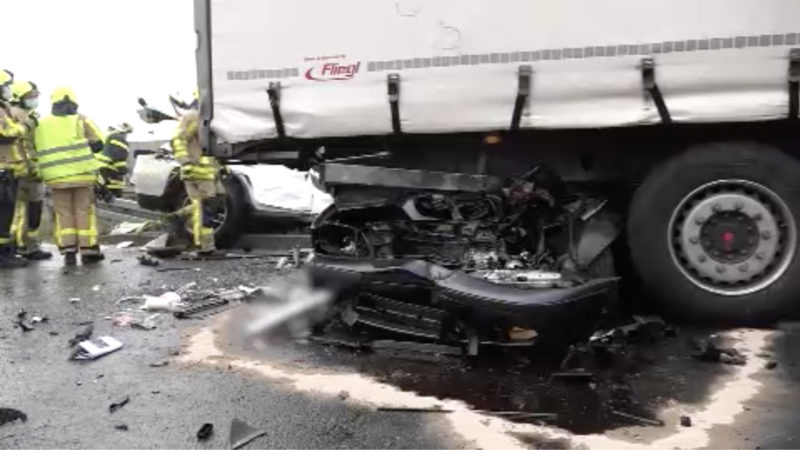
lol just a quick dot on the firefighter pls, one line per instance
(12, 164)
(30, 190)
(199, 175)
(65, 145)
(114, 158)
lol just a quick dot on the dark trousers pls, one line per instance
(8, 200)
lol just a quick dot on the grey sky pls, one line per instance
(109, 51)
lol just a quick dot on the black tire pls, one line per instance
(229, 233)
(649, 223)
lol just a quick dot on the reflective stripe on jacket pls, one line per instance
(186, 146)
(63, 151)
(11, 131)
(115, 153)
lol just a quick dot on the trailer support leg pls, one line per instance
(393, 90)
(523, 93)
(274, 93)
(650, 85)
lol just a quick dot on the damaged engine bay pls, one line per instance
(465, 259)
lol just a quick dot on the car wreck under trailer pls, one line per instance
(485, 158)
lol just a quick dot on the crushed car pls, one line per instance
(275, 194)
(465, 259)
(279, 196)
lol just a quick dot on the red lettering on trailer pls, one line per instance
(333, 71)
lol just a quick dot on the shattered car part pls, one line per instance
(212, 302)
(708, 351)
(638, 419)
(448, 295)
(200, 307)
(147, 261)
(242, 434)
(205, 432)
(117, 405)
(8, 415)
(642, 329)
(531, 278)
(22, 321)
(462, 258)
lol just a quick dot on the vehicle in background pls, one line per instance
(484, 156)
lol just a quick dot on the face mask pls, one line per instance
(30, 103)
(5, 92)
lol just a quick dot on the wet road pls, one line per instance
(309, 395)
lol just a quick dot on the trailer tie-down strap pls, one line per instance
(274, 93)
(523, 92)
(650, 85)
(794, 83)
(393, 90)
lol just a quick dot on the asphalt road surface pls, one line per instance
(307, 395)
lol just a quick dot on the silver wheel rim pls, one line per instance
(732, 237)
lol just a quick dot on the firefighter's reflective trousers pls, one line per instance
(75, 219)
(28, 215)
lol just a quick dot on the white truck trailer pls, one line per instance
(489, 153)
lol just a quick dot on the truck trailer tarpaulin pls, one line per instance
(458, 63)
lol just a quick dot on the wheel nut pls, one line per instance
(720, 269)
(702, 258)
(738, 205)
(760, 255)
(743, 268)
(766, 235)
(694, 240)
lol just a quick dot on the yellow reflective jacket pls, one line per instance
(25, 144)
(11, 131)
(186, 145)
(64, 155)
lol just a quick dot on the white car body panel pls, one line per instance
(269, 187)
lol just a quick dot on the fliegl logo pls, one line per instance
(333, 71)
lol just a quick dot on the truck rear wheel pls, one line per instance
(713, 233)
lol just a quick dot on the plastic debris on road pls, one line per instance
(168, 301)
(122, 319)
(127, 228)
(96, 348)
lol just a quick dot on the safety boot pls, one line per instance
(37, 255)
(70, 258)
(92, 255)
